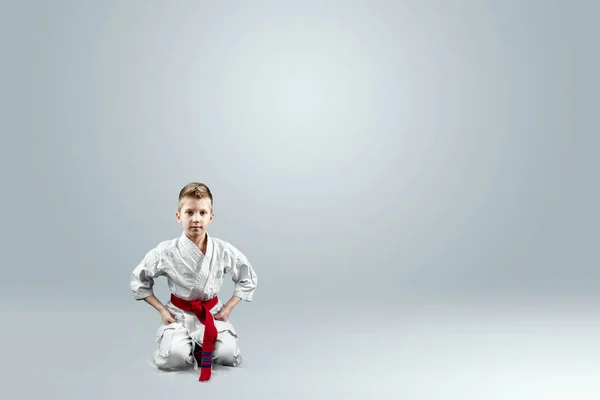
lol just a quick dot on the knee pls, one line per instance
(174, 351)
(227, 351)
(179, 357)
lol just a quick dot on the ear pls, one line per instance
(178, 216)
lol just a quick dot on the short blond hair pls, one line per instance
(194, 190)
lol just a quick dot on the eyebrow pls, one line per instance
(189, 209)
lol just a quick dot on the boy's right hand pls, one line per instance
(167, 317)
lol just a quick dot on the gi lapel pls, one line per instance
(201, 261)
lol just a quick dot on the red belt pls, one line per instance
(201, 310)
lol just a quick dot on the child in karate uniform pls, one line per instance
(196, 330)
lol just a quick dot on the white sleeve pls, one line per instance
(142, 278)
(244, 277)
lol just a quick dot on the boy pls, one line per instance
(196, 330)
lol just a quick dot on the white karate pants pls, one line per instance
(175, 348)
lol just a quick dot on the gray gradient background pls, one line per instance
(415, 183)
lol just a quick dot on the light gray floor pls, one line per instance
(418, 352)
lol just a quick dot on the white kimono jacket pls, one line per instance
(192, 275)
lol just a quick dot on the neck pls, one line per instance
(199, 241)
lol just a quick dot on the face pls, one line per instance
(195, 216)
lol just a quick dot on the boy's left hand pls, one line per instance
(223, 314)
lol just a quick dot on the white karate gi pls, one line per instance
(192, 275)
